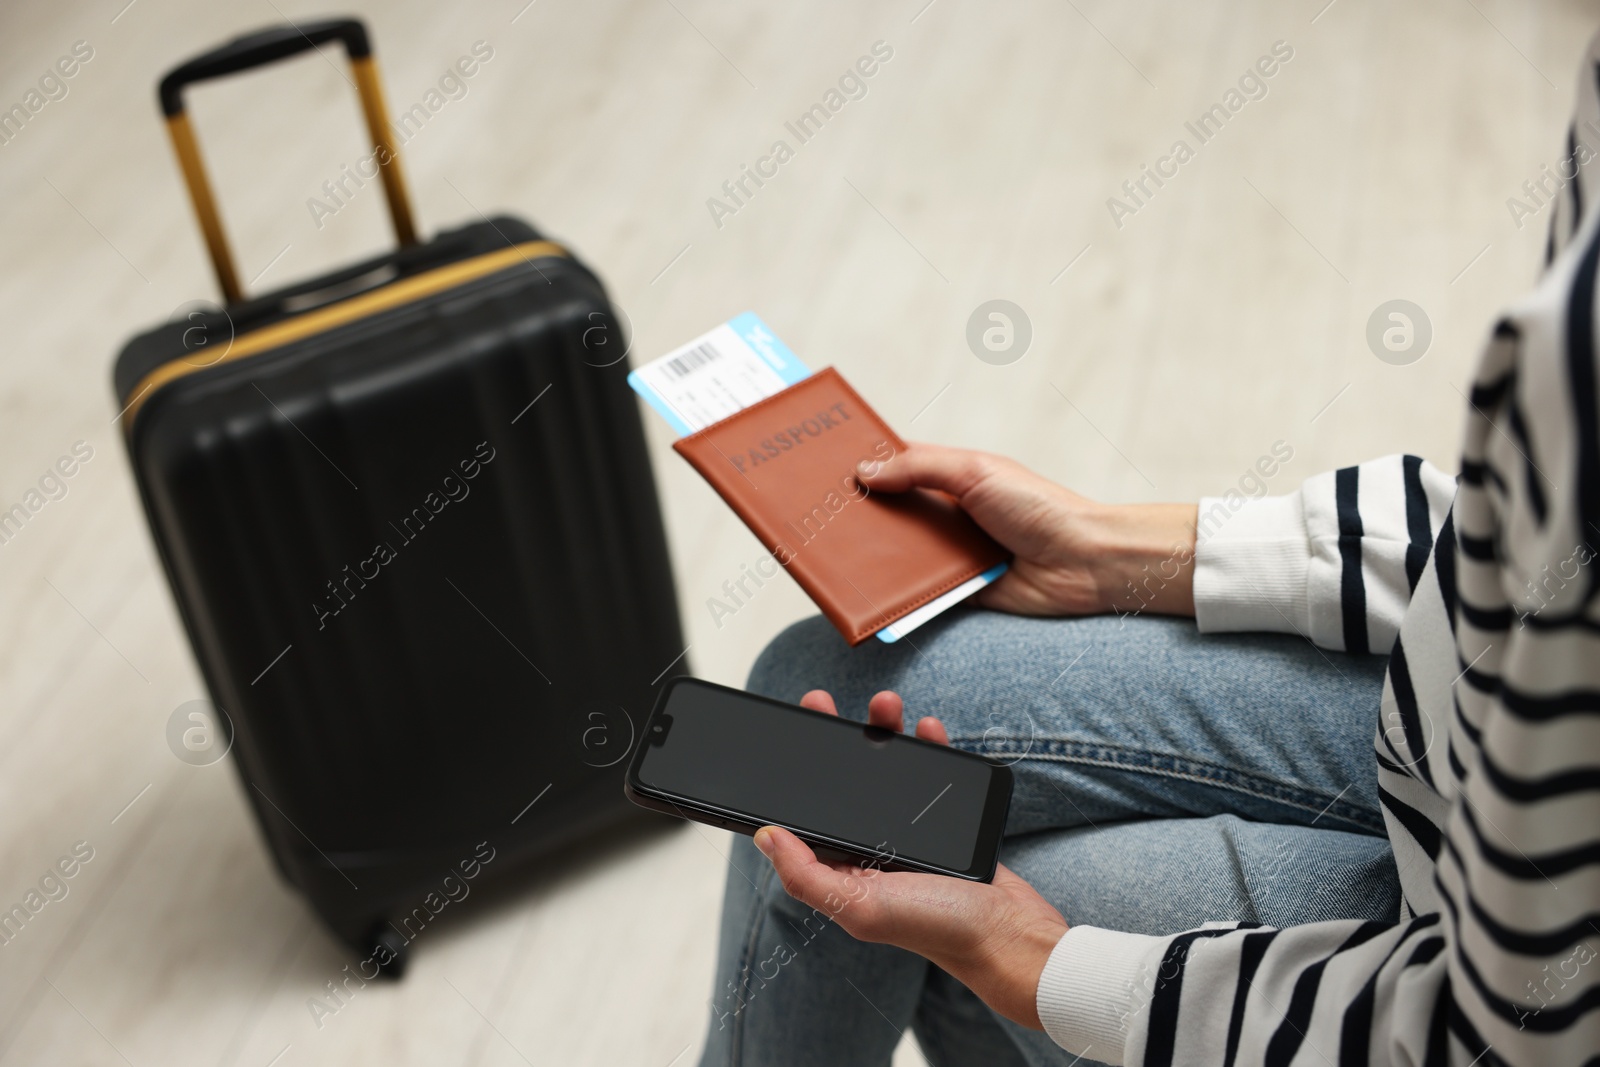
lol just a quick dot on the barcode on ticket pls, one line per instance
(681, 365)
(717, 374)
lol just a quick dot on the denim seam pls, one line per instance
(1219, 781)
(1192, 770)
(759, 910)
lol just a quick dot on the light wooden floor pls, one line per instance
(1227, 314)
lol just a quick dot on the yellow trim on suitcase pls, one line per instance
(340, 314)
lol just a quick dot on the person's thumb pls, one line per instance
(804, 877)
(953, 470)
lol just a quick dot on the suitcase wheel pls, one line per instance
(387, 949)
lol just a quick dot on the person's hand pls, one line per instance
(993, 938)
(1073, 556)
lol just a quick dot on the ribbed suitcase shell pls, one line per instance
(515, 638)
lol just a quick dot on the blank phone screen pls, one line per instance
(831, 777)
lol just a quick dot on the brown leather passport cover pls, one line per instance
(787, 465)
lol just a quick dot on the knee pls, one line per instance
(808, 655)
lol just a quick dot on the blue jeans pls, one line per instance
(1163, 780)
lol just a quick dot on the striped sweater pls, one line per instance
(1482, 591)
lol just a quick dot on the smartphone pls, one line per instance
(728, 758)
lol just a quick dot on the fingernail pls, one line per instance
(764, 841)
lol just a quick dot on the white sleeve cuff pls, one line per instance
(1093, 988)
(1251, 563)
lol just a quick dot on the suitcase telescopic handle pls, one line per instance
(254, 50)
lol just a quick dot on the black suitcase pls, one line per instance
(409, 521)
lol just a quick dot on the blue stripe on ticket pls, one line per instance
(938, 606)
(657, 401)
(754, 333)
